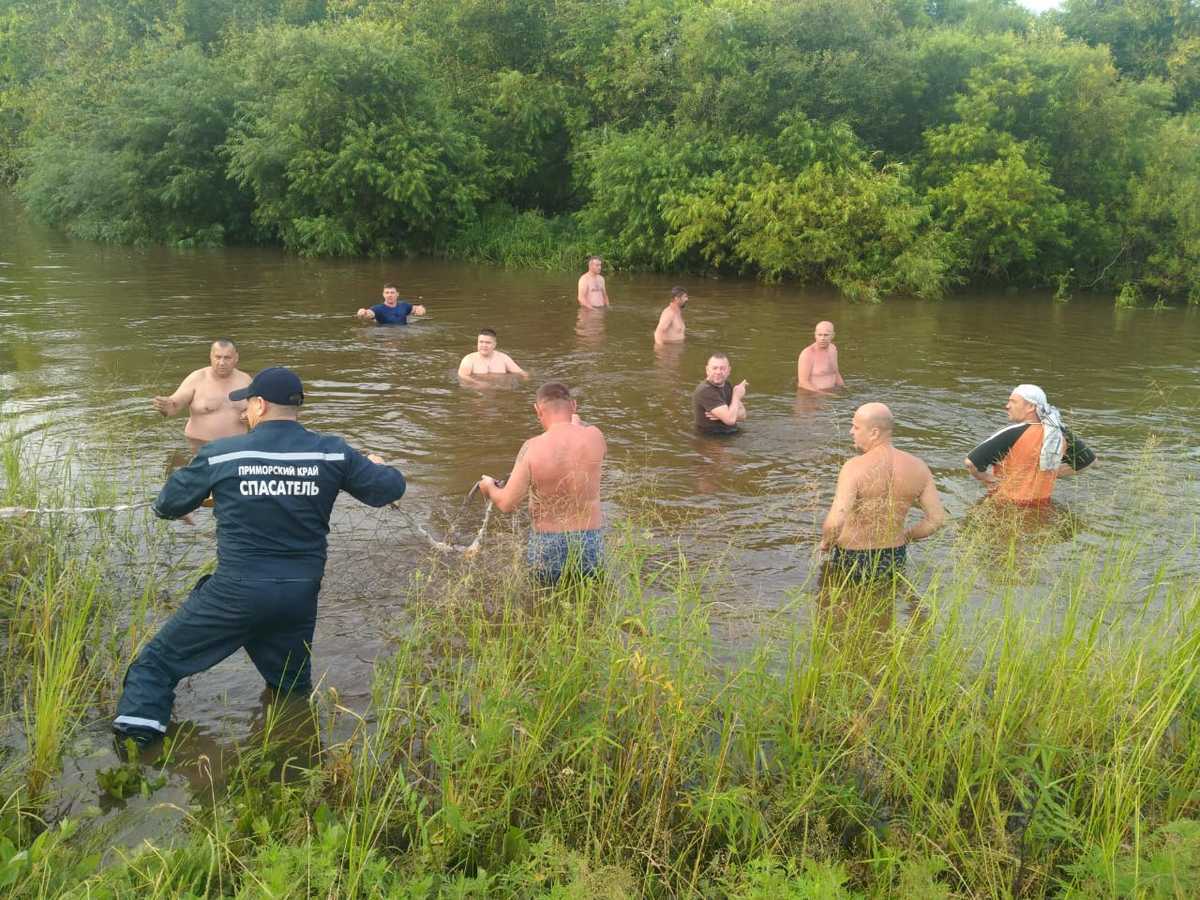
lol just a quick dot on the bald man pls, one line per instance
(865, 527)
(817, 367)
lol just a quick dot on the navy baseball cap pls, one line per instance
(275, 385)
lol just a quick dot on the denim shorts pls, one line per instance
(552, 554)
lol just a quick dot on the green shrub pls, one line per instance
(349, 145)
(146, 165)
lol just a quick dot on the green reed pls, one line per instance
(65, 584)
(1025, 723)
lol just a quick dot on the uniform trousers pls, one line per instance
(272, 619)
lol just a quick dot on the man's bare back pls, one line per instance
(205, 394)
(886, 484)
(592, 291)
(559, 469)
(817, 366)
(876, 490)
(564, 469)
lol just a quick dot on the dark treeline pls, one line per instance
(878, 145)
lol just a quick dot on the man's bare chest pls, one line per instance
(211, 398)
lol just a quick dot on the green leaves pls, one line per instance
(146, 165)
(630, 175)
(806, 203)
(1007, 218)
(349, 148)
(128, 778)
(879, 145)
(1164, 227)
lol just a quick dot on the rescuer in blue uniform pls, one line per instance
(273, 492)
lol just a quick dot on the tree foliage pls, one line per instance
(879, 145)
(1164, 233)
(347, 146)
(145, 164)
(1145, 37)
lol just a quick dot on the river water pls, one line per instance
(88, 333)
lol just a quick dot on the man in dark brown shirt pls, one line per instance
(718, 405)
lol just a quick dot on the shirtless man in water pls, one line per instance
(205, 394)
(560, 470)
(592, 292)
(817, 367)
(865, 527)
(487, 360)
(671, 328)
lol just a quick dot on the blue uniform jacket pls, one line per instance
(274, 490)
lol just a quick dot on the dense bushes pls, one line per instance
(879, 146)
(787, 206)
(145, 163)
(347, 146)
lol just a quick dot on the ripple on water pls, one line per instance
(140, 321)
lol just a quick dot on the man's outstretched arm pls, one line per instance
(370, 480)
(181, 399)
(507, 498)
(184, 490)
(511, 367)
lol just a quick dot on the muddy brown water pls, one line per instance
(89, 332)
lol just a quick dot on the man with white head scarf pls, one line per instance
(1021, 462)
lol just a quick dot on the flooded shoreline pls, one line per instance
(91, 332)
(420, 655)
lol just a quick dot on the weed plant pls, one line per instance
(968, 734)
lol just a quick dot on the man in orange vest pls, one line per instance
(1020, 463)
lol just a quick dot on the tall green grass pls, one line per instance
(65, 583)
(993, 735)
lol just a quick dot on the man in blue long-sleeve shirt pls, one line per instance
(273, 492)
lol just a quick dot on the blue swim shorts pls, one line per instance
(553, 554)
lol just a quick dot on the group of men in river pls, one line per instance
(273, 483)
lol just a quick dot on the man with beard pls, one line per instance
(671, 327)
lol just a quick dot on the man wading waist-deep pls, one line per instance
(560, 470)
(274, 490)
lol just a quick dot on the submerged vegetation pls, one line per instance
(1006, 735)
(878, 145)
